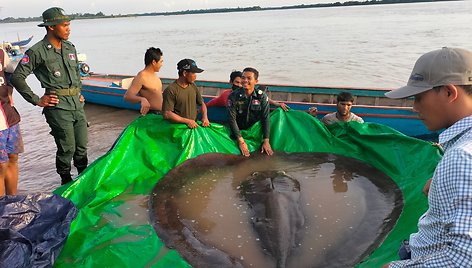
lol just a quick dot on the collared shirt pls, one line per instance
(332, 118)
(54, 68)
(244, 111)
(444, 237)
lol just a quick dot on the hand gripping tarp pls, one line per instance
(150, 146)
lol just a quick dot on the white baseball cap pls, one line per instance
(437, 68)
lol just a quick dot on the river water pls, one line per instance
(363, 46)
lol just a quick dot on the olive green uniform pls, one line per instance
(244, 111)
(58, 72)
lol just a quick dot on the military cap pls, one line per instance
(54, 16)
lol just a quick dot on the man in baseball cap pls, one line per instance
(441, 84)
(437, 68)
(181, 98)
(188, 65)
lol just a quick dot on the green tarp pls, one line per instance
(112, 228)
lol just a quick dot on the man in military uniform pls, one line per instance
(54, 62)
(246, 106)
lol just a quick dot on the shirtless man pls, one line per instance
(147, 84)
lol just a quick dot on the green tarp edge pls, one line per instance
(150, 146)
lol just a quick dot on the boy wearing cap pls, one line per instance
(54, 62)
(247, 106)
(441, 84)
(180, 99)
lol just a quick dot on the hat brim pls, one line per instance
(195, 70)
(51, 23)
(406, 91)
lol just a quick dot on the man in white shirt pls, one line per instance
(441, 84)
(344, 104)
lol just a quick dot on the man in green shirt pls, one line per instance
(53, 61)
(180, 99)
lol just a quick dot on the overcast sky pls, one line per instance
(34, 8)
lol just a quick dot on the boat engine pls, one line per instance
(83, 67)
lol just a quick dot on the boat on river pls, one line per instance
(22, 43)
(15, 50)
(370, 103)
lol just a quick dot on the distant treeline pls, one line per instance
(226, 10)
(75, 16)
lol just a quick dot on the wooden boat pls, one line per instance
(370, 103)
(22, 43)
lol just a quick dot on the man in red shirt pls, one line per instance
(222, 99)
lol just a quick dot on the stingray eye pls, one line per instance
(255, 173)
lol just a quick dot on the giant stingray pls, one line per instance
(220, 210)
(277, 217)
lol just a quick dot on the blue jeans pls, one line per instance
(404, 251)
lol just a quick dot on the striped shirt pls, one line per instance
(444, 237)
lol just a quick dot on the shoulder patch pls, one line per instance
(69, 43)
(72, 56)
(25, 59)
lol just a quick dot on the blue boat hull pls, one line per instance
(22, 43)
(402, 119)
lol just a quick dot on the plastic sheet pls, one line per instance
(113, 229)
(33, 229)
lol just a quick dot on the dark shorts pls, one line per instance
(11, 142)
